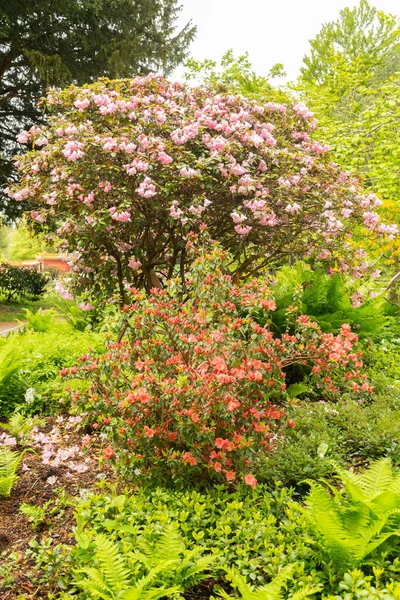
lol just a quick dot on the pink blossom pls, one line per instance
(37, 216)
(165, 158)
(319, 148)
(293, 208)
(121, 216)
(175, 212)
(21, 194)
(82, 104)
(371, 220)
(105, 185)
(23, 137)
(110, 144)
(237, 218)
(86, 307)
(243, 230)
(146, 189)
(59, 289)
(73, 150)
(357, 299)
(188, 172)
(134, 264)
(71, 129)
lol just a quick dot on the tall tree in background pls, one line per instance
(56, 42)
(362, 35)
(351, 80)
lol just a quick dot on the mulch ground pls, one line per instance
(33, 487)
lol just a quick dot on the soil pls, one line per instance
(32, 487)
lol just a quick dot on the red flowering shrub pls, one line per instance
(196, 389)
(125, 169)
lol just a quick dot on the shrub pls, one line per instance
(197, 390)
(348, 431)
(21, 281)
(327, 300)
(127, 168)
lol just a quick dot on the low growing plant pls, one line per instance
(145, 572)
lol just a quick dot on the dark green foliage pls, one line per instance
(256, 538)
(22, 281)
(46, 44)
(350, 432)
(254, 532)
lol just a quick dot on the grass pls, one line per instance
(14, 310)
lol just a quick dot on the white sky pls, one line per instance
(272, 31)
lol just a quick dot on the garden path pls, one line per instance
(10, 326)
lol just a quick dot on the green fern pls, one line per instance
(9, 462)
(272, 591)
(323, 297)
(41, 320)
(353, 523)
(156, 566)
(20, 425)
(35, 514)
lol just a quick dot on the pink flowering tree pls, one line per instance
(125, 169)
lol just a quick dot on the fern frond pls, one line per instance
(196, 571)
(162, 571)
(351, 481)
(272, 590)
(93, 583)
(305, 592)
(378, 541)
(151, 594)
(322, 510)
(112, 564)
(377, 478)
(169, 546)
(9, 462)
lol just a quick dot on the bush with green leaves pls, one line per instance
(348, 431)
(32, 361)
(21, 282)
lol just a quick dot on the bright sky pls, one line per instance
(272, 31)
